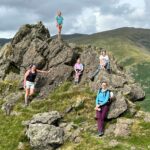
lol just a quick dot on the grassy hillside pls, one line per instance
(83, 117)
(131, 47)
(128, 50)
(127, 44)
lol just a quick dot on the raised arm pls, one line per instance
(42, 71)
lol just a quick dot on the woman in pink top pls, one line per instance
(78, 68)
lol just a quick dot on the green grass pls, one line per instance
(141, 74)
(139, 137)
(60, 99)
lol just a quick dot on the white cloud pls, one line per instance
(7, 34)
(84, 16)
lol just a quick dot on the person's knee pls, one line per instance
(31, 92)
(27, 92)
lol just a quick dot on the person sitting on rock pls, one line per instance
(104, 60)
(29, 82)
(104, 63)
(59, 22)
(103, 100)
(78, 68)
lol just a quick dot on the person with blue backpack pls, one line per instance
(103, 100)
(59, 22)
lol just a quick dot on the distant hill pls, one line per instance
(71, 36)
(131, 47)
(3, 41)
(127, 44)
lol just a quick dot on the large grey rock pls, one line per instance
(136, 93)
(122, 84)
(10, 101)
(117, 81)
(117, 107)
(43, 131)
(44, 136)
(32, 44)
(123, 127)
(50, 118)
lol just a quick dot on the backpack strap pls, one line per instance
(100, 90)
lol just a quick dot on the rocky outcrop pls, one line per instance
(123, 127)
(43, 131)
(32, 45)
(120, 83)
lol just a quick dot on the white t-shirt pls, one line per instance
(105, 58)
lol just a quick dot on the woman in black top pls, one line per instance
(29, 81)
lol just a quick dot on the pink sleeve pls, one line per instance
(75, 66)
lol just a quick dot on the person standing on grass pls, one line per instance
(29, 82)
(59, 22)
(103, 101)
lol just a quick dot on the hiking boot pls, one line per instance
(100, 133)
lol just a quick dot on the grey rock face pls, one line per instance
(32, 45)
(120, 83)
(117, 107)
(43, 132)
(50, 118)
(123, 127)
(44, 135)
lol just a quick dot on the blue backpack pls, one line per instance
(109, 100)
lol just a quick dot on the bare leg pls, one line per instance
(27, 96)
(31, 92)
(59, 32)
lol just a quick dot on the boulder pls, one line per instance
(123, 127)
(43, 136)
(44, 132)
(136, 93)
(50, 118)
(32, 45)
(117, 81)
(120, 83)
(10, 102)
(117, 107)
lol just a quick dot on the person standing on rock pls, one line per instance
(103, 100)
(59, 22)
(78, 68)
(29, 82)
(104, 63)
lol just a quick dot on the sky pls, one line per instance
(80, 16)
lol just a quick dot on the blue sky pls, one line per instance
(84, 16)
